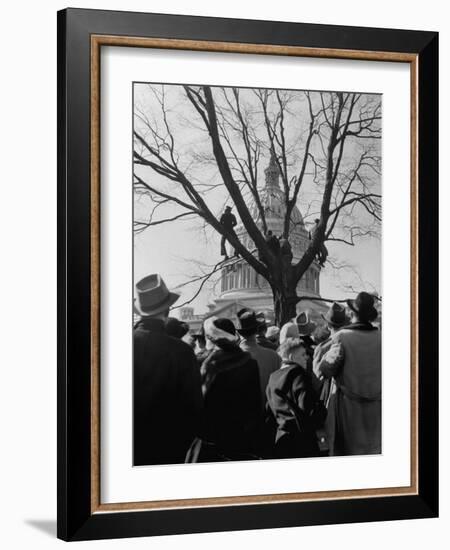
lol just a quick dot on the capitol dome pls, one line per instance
(272, 199)
(240, 282)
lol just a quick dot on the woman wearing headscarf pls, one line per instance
(289, 330)
(294, 404)
(354, 362)
(232, 411)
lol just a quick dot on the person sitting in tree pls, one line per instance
(286, 250)
(228, 221)
(322, 254)
(273, 243)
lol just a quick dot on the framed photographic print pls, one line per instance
(247, 274)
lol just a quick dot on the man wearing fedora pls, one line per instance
(167, 398)
(335, 318)
(354, 361)
(268, 360)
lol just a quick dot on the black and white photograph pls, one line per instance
(229, 235)
(257, 230)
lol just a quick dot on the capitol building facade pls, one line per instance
(240, 285)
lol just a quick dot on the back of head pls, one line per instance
(288, 347)
(176, 328)
(273, 333)
(363, 307)
(261, 323)
(220, 331)
(336, 316)
(248, 324)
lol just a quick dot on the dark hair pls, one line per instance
(366, 317)
(176, 328)
(363, 307)
(262, 328)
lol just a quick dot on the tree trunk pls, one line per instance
(285, 302)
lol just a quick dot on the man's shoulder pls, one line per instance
(342, 334)
(174, 346)
(349, 336)
(286, 375)
(179, 346)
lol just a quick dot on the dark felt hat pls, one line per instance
(363, 306)
(153, 296)
(336, 316)
(248, 323)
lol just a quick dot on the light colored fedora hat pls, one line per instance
(153, 296)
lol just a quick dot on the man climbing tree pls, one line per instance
(322, 253)
(228, 221)
(273, 243)
(286, 251)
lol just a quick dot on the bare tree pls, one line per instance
(325, 145)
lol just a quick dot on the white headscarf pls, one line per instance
(289, 330)
(214, 333)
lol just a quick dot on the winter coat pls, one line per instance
(167, 398)
(233, 420)
(354, 410)
(268, 361)
(297, 412)
(327, 385)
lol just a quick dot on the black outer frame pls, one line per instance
(75, 521)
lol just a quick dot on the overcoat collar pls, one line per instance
(360, 326)
(151, 325)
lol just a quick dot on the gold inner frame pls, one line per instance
(97, 41)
